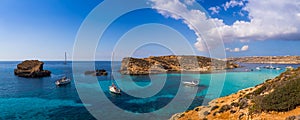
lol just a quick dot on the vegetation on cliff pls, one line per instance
(280, 94)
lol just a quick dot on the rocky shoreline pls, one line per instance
(276, 98)
(268, 59)
(172, 63)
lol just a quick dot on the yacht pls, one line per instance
(113, 89)
(63, 81)
(191, 83)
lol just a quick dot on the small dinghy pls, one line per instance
(188, 83)
(257, 68)
(63, 81)
(113, 89)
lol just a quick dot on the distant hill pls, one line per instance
(172, 63)
(275, 99)
(268, 59)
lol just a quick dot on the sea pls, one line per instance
(156, 96)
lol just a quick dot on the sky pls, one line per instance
(45, 30)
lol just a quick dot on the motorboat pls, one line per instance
(257, 68)
(278, 68)
(113, 89)
(191, 83)
(63, 81)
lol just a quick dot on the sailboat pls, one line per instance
(64, 80)
(113, 88)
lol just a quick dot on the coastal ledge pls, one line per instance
(31, 69)
(267, 59)
(172, 63)
(275, 99)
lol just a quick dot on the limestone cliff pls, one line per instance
(172, 63)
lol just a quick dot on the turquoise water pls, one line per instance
(23, 98)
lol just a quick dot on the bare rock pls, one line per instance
(100, 72)
(31, 69)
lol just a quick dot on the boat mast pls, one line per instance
(112, 67)
(65, 58)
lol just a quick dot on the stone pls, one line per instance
(100, 72)
(31, 69)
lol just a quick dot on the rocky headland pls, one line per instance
(31, 69)
(275, 99)
(172, 63)
(268, 59)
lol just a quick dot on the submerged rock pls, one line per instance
(31, 69)
(100, 72)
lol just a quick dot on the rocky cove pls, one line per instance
(275, 99)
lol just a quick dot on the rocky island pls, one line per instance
(275, 99)
(31, 69)
(268, 59)
(172, 63)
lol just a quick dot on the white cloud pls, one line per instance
(189, 2)
(233, 3)
(196, 20)
(269, 20)
(244, 48)
(214, 10)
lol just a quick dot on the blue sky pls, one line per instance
(35, 29)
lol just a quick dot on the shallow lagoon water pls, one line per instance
(23, 98)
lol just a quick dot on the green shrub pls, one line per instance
(259, 90)
(284, 98)
(214, 107)
(224, 108)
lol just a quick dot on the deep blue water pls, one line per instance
(26, 98)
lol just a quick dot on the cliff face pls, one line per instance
(275, 99)
(268, 59)
(31, 68)
(162, 64)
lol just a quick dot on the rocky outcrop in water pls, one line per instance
(172, 63)
(100, 72)
(31, 69)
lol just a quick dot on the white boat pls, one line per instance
(63, 81)
(114, 89)
(278, 68)
(257, 68)
(193, 83)
(289, 68)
